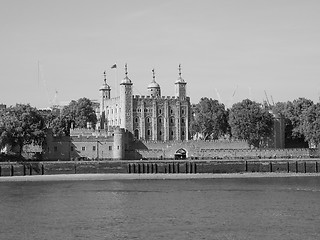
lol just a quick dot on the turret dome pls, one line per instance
(153, 84)
(126, 80)
(154, 87)
(105, 86)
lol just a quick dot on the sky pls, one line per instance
(229, 50)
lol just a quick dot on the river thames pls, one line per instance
(216, 208)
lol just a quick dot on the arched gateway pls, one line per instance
(180, 154)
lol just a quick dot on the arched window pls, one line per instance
(136, 120)
(160, 120)
(148, 120)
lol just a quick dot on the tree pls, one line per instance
(79, 113)
(21, 125)
(311, 124)
(209, 119)
(294, 112)
(250, 122)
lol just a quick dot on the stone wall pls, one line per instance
(139, 167)
(209, 150)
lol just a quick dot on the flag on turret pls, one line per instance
(114, 66)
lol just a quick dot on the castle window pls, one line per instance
(182, 111)
(116, 121)
(72, 148)
(171, 120)
(110, 148)
(55, 148)
(83, 148)
(160, 120)
(136, 120)
(171, 111)
(148, 120)
(182, 133)
(136, 134)
(145, 110)
(160, 133)
(111, 111)
(182, 120)
(93, 148)
(149, 132)
(171, 133)
(118, 147)
(160, 111)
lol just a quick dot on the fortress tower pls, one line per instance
(126, 103)
(105, 92)
(180, 86)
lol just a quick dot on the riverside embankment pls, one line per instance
(160, 167)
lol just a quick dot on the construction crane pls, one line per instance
(267, 99)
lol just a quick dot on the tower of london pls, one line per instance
(150, 118)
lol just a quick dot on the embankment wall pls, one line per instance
(145, 167)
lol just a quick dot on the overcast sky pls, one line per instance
(229, 49)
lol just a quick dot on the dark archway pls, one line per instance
(180, 154)
(136, 134)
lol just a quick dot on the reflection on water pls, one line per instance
(252, 208)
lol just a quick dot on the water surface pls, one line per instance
(245, 208)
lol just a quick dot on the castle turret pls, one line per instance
(126, 121)
(154, 87)
(180, 86)
(105, 95)
(118, 144)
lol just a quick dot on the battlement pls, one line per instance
(86, 132)
(150, 97)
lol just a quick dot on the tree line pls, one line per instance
(247, 120)
(253, 122)
(23, 124)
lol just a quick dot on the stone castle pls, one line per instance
(150, 118)
(144, 127)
